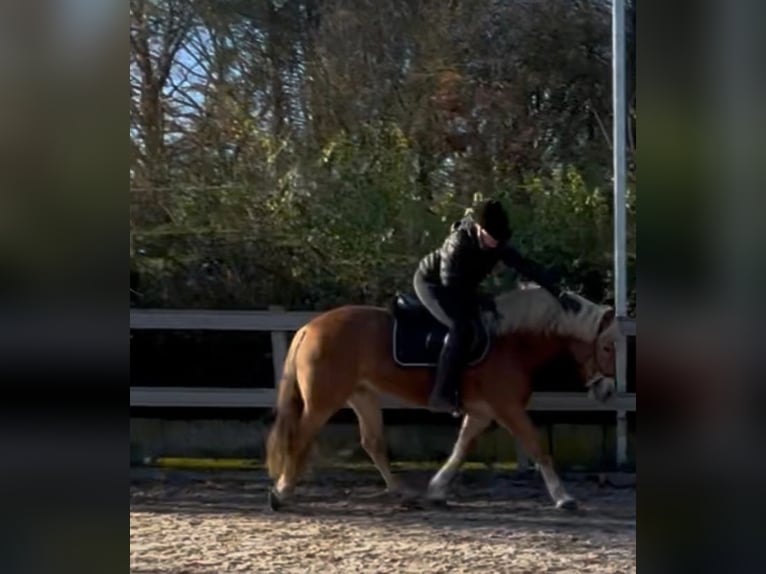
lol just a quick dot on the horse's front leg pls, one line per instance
(516, 420)
(471, 428)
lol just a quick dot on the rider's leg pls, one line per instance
(450, 368)
(447, 308)
(429, 295)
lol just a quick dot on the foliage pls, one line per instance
(309, 153)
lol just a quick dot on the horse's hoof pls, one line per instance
(567, 504)
(274, 502)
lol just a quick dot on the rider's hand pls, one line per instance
(569, 303)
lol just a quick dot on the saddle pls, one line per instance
(418, 337)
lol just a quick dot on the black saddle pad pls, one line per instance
(418, 337)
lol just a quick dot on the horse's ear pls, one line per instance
(606, 319)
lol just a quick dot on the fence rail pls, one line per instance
(271, 320)
(183, 319)
(279, 322)
(265, 397)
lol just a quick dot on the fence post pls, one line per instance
(622, 387)
(278, 349)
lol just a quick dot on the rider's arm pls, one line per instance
(453, 257)
(529, 269)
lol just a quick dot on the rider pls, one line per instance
(447, 280)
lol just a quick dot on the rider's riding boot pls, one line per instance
(444, 395)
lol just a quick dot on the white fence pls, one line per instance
(279, 322)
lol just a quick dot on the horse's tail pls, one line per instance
(280, 447)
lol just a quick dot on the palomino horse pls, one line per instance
(347, 356)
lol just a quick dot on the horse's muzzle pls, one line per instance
(601, 388)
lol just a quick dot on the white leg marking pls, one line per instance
(555, 488)
(472, 427)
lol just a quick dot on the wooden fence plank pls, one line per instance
(185, 319)
(271, 320)
(266, 397)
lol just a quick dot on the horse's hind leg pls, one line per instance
(471, 428)
(367, 408)
(516, 419)
(311, 422)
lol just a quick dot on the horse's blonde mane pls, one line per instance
(533, 309)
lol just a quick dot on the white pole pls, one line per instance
(618, 139)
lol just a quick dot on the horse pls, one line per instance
(353, 354)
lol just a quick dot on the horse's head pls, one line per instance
(596, 358)
(590, 333)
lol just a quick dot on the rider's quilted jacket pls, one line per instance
(460, 264)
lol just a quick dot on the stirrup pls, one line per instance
(452, 410)
(442, 404)
(456, 408)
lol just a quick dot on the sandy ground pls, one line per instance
(340, 522)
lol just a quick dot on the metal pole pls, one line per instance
(618, 139)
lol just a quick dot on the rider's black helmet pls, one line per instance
(494, 219)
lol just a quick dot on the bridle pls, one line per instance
(596, 357)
